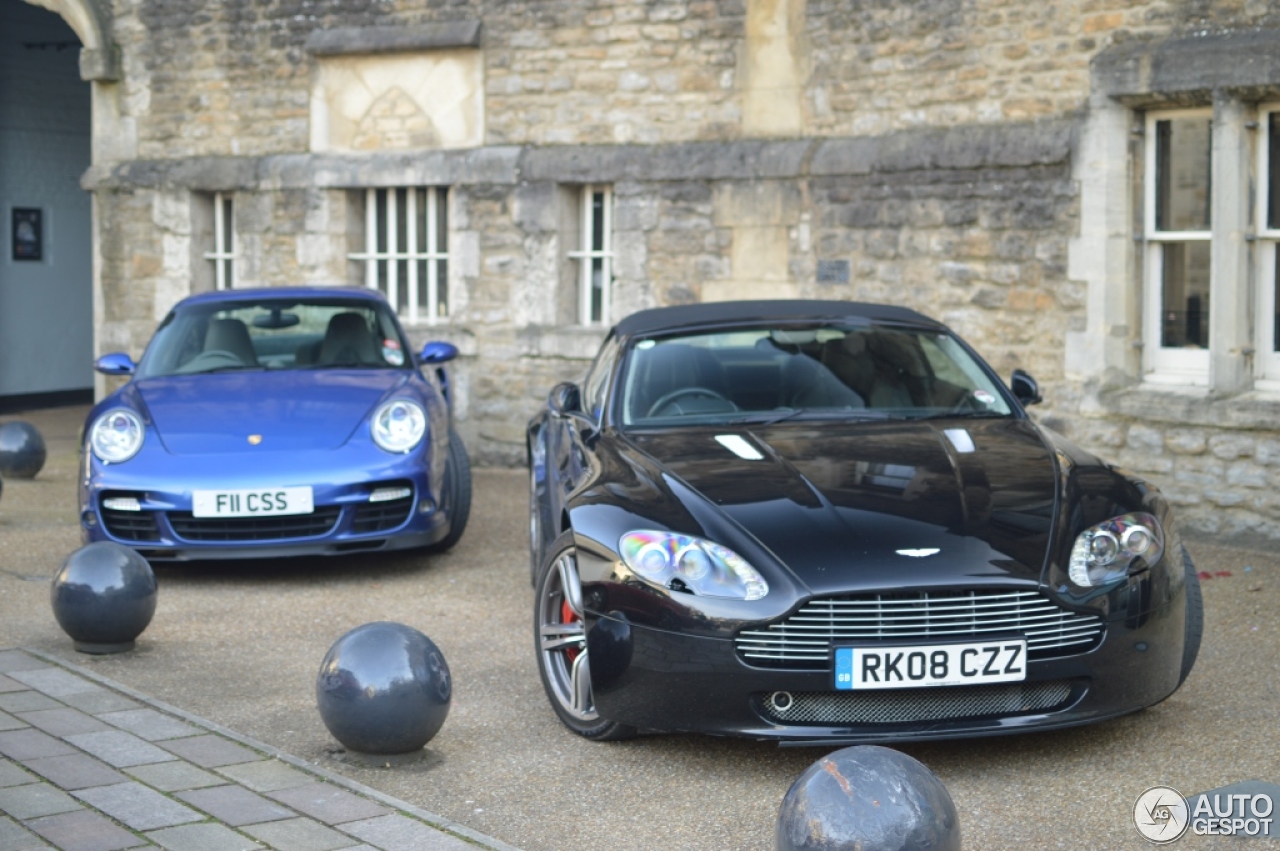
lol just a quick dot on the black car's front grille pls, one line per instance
(804, 640)
(319, 522)
(131, 525)
(904, 706)
(381, 516)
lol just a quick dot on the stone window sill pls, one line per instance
(1256, 409)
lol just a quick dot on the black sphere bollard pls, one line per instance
(384, 690)
(22, 450)
(871, 799)
(103, 597)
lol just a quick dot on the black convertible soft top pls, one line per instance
(765, 310)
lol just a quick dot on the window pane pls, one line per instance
(442, 288)
(597, 221)
(380, 212)
(597, 289)
(1182, 174)
(1273, 171)
(1185, 301)
(228, 226)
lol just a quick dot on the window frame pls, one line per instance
(434, 255)
(1160, 364)
(1266, 245)
(590, 251)
(223, 255)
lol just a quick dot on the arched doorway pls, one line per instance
(46, 268)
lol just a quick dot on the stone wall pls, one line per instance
(927, 154)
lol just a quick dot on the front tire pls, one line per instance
(560, 641)
(457, 493)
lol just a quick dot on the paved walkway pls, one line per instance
(90, 765)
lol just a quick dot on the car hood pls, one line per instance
(845, 505)
(289, 410)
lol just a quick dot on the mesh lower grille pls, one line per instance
(190, 528)
(381, 516)
(944, 703)
(804, 640)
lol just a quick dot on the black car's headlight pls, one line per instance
(685, 563)
(116, 436)
(1104, 553)
(398, 425)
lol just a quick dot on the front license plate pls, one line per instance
(261, 502)
(931, 665)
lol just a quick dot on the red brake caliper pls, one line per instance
(567, 616)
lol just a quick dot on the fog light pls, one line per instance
(89, 519)
(781, 700)
(388, 494)
(426, 506)
(122, 503)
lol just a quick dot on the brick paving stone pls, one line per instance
(209, 751)
(176, 776)
(202, 837)
(266, 775)
(117, 748)
(15, 837)
(27, 701)
(10, 722)
(9, 684)
(12, 775)
(299, 834)
(75, 771)
(99, 700)
(149, 724)
(54, 682)
(84, 830)
(31, 744)
(16, 660)
(63, 722)
(329, 804)
(35, 800)
(398, 833)
(236, 805)
(137, 806)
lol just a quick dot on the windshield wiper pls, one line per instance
(344, 365)
(958, 415)
(777, 415)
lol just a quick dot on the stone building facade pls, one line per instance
(1071, 185)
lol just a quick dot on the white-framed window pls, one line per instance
(405, 257)
(223, 255)
(1267, 246)
(595, 256)
(1177, 233)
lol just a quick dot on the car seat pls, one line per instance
(347, 340)
(231, 335)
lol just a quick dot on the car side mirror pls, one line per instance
(1025, 388)
(565, 399)
(438, 352)
(116, 363)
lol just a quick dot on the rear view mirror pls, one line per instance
(1024, 387)
(116, 363)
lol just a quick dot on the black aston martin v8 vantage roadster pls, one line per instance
(833, 522)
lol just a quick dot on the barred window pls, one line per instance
(406, 250)
(595, 256)
(223, 255)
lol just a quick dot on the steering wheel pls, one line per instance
(704, 392)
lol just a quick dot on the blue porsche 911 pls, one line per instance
(265, 422)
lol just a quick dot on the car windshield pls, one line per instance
(255, 334)
(813, 372)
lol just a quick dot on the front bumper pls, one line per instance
(668, 681)
(343, 520)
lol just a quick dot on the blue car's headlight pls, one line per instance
(1104, 553)
(116, 435)
(685, 563)
(398, 425)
